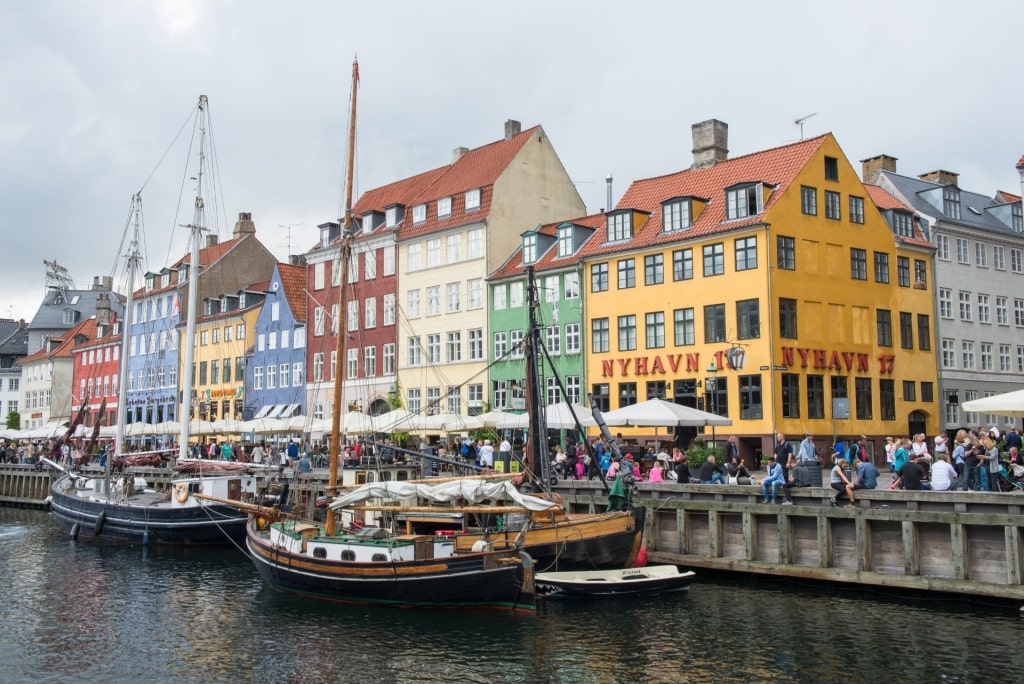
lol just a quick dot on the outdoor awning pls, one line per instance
(263, 412)
(276, 413)
(290, 410)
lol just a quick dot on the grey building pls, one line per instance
(979, 285)
(13, 346)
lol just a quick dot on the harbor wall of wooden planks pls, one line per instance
(957, 542)
(23, 486)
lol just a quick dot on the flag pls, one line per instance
(176, 309)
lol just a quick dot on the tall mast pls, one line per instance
(126, 325)
(538, 424)
(195, 228)
(345, 255)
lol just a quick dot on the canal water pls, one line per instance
(96, 613)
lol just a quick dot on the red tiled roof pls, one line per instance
(775, 167)
(67, 342)
(293, 282)
(550, 259)
(1007, 197)
(886, 201)
(207, 256)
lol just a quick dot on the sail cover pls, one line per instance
(470, 491)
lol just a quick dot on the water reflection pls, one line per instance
(94, 612)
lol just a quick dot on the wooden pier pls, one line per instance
(22, 486)
(956, 542)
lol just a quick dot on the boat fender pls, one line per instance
(481, 545)
(74, 531)
(97, 527)
(181, 492)
(145, 538)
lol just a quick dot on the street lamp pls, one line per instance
(712, 386)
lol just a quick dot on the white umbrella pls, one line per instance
(661, 413)
(398, 420)
(227, 426)
(557, 416)
(201, 427)
(492, 418)
(356, 423)
(460, 423)
(263, 426)
(1007, 404)
(139, 429)
(168, 427)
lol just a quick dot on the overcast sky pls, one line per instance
(93, 94)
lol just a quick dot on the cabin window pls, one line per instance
(379, 558)
(319, 552)
(348, 555)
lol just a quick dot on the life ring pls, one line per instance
(181, 492)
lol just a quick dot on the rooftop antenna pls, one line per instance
(800, 122)
(58, 278)
(289, 227)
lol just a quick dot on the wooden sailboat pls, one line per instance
(371, 564)
(125, 509)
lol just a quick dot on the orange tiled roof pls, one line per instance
(550, 259)
(1007, 197)
(67, 342)
(293, 282)
(886, 201)
(775, 167)
(207, 256)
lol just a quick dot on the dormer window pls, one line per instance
(903, 223)
(620, 226)
(743, 201)
(391, 217)
(529, 248)
(150, 278)
(951, 201)
(366, 224)
(1018, 217)
(444, 206)
(419, 213)
(675, 215)
(183, 273)
(473, 199)
(565, 241)
(165, 279)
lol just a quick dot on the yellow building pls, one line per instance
(769, 288)
(222, 340)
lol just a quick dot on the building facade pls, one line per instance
(275, 384)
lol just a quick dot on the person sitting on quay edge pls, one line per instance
(657, 472)
(867, 478)
(710, 472)
(943, 475)
(911, 476)
(735, 467)
(773, 481)
(680, 466)
(840, 482)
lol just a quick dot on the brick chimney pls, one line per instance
(211, 239)
(103, 309)
(872, 166)
(244, 225)
(458, 152)
(940, 177)
(710, 143)
(512, 128)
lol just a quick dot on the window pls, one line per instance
(981, 254)
(948, 353)
(474, 242)
(453, 347)
(271, 375)
(1017, 215)
(1001, 311)
(985, 350)
(415, 351)
(626, 273)
(858, 264)
(453, 248)
(831, 169)
(257, 377)
(551, 289)
(433, 400)
(412, 307)
(951, 201)
(963, 254)
(627, 332)
(433, 252)
(433, 300)
(530, 248)
(750, 396)
(620, 226)
(572, 338)
(785, 248)
(984, 315)
(881, 267)
(1004, 359)
(655, 327)
(476, 344)
(903, 271)
(815, 396)
(500, 297)
(353, 317)
(743, 201)
(599, 335)
(473, 199)
(572, 388)
(862, 398)
(998, 258)
(454, 291)
(318, 275)
(516, 344)
(352, 365)
(887, 398)
(945, 302)
(965, 305)
(748, 319)
(434, 348)
(1016, 262)
(909, 390)
(370, 265)
(500, 345)
(921, 272)
(654, 269)
(599, 278)
(883, 321)
(684, 327)
(746, 253)
(714, 259)
(790, 395)
(903, 223)
(627, 394)
(787, 318)
(565, 240)
(475, 294)
(906, 330)
(675, 215)
(370, 312)
(500, 393)
(419, 213)
(809, 200)
(856, 209)
(389, 309)
(571, 285)
(682, 264)
(714, 323)
(388, 256)
(967, 347)
(832, 209)
(924, 332)
(444, 206)
(553, 339)
(601, 394)
(225, 372)
(942, 247)
(1018, 313)
(415, 257)
(318, 366)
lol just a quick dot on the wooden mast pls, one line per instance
(345, 256)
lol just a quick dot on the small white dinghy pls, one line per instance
(646, 581)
